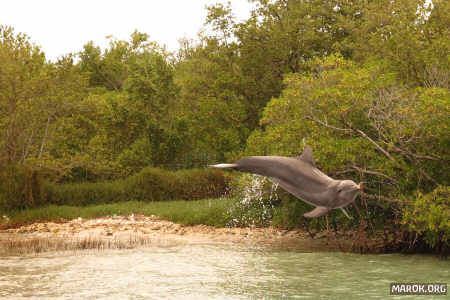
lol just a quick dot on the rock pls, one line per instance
(156, 227)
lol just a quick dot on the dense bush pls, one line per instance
(151, 184)
(23, 188)
(429, 214)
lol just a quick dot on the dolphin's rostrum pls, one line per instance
(300, 177)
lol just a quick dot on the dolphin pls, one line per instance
(300, 177)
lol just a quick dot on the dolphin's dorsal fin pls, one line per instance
(307, 156)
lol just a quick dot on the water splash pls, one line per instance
(256, 202)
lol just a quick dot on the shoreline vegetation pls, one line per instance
(132, 224)
(131, 127)
(118, 232)
(192, 198)
(101, 227)
(211, 212)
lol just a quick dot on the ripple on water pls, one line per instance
(212, 271)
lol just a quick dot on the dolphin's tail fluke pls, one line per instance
(223, 166)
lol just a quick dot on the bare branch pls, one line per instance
(419, 156)
(44, 137)
(364, 135)
(345, 171)
(376, 173)
(414, 160)
(27, 147)
(375, 144)
(427, 176)
(325, 124)
(379, 197)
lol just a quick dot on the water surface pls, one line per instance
(213, 271)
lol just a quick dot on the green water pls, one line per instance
(214, 271)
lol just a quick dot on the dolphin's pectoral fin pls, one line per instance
(346, 213)
(317, 212)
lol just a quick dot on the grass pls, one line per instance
(207, 211)
(21, 188)
(218, 212)
(35, 245)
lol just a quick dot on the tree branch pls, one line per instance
(375, 144)
(27, 147)
(325, 124)
(361, 133)
(419, 156)
(374, 173)
(44, 137)
(379, 197)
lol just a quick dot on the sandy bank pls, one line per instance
(133, 231)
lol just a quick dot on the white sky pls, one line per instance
(63, 26)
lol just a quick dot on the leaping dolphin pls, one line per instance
(300, 177)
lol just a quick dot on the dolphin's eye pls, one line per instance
(340, 190)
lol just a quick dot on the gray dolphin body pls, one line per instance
(300, 177)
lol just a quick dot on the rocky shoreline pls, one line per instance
(137, 230)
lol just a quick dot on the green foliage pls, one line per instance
(218, 115)
(137, 156)
(429, 214)
(150, 184)
(375, 111)
(34, 97)
(140, 99)
(363, 124)
(110, 69)
(130, 102)
(360, 122)
(21, 188)
(411, 36)
(290, 215)
(24, 188)
(211, 212)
